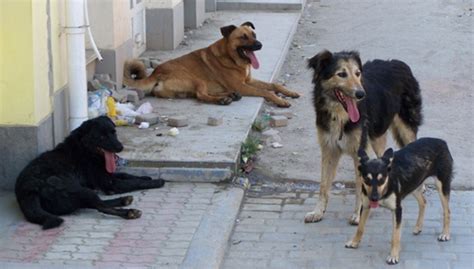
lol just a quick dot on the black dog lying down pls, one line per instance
(388, 180)
(62, 180)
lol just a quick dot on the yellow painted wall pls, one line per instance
(16, 77)
(41, 67)
(25, 95)
(58, 43)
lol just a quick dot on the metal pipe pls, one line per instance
(89, 33)
(77, 79)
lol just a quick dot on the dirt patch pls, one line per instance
(434, 39)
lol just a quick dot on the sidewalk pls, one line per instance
(202, 153)
(184, 224)
(171, 224)
(270, 233)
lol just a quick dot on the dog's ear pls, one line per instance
(356, 56)
(82, 129)
(227, 30)
(108, 120)
(320, 61)
(388, 157)
(247, 23)
(363, 158)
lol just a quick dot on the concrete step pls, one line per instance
(202, 153)
(260, 4)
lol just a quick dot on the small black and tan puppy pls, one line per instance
(63, 180)
(388, 180)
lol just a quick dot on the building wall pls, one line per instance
(58, 44)
(40, 61)
(17, 102)
(33, 79)
(122, 24)
(162, 3)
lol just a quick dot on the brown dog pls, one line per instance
(217, 74)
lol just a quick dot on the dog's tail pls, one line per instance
(31, 207)
(134, 75)
(411, 104)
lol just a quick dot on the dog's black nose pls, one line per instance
(257, 45)
(360, 94)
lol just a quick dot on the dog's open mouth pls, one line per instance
(110, 160)
(249, 55)
(349, 104)
(374, 204)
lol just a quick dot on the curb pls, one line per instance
(260, 5)
(286, 48)
(209, 244)
(182, 174)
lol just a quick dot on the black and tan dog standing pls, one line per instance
(389, 179)
(355, 104)
(220, 73)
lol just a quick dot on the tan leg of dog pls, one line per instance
(444, 236)
(365, 210)
(329, 161)
(249, 90)
(273, 87)
(354, 220)
(420, 198)
(394, 256)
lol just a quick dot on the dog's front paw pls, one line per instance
(416, 231)
(235, 96)
(145, 178)
(294, 95)
(354, 220)
(158, 183)
(444, 237)
(127, 200)
(352, 244)
(134, 214)
(313, 216)
(225, 101)
(283, 103)
(392, 259)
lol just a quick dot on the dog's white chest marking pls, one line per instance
(348, 142)
(390, 202)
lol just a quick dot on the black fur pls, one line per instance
(411, 165)
(390, 89)
(391, 178)
(62, 180)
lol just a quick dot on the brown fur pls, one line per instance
(213, 74)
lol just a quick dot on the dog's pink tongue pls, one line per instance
(253, 59)
(373, 204)
(352, 109)
(110, 161)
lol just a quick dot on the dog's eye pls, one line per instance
(342, 74)
(244, 37)
(357, 74)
